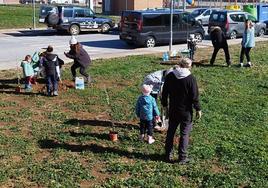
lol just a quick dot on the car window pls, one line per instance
(207, 13)
(79, 13)
(237, 17)
(68, 13)
(88, 13)
(217, 17)
(187, 18)
(152, 20)
(166, 19)
(197, 12)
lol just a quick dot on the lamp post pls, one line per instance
(171, 25)
(34, 26)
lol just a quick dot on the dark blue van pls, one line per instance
(73, 19)
(150, 27)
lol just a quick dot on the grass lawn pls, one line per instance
(63, 141)
(21, 16)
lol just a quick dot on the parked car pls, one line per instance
(59, 1)
(31, 1)
(151, 27)
(232, 23)
(73, 19)
(203, 18)
(198, 11)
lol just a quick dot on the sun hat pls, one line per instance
(146, 89)
(73, 40)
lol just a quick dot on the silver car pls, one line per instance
(232, 23)
(204, 14)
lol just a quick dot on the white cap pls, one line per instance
(73, 40)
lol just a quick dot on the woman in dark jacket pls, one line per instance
(80, 57)
(219, 41)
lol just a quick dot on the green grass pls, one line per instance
(63, 141)
(21, 16)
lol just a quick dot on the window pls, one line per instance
(187, 18)
(237, 17)
(79, 13)
(218, 17)
(68, 13)
(166, 19)
(207, 13)
(152, 20)
(88, 13)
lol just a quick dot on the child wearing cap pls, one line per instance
(146, 110)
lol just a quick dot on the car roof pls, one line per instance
(155, 11)
(230, 11)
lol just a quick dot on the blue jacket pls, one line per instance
(248, 40)
(146, 108)
(27, 68)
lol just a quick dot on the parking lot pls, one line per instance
(16, 44)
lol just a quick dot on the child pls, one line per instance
(146, 110)
(28, 72)
(191, 43)
(52, 71)
(248, 42)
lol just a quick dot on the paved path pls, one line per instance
(15, 45)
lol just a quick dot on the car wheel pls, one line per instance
(150, 42)
(198, 37)
(105, 28)
(74, 29)
(233, 35)
(261, 33)
(200, 22)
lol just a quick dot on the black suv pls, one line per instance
(73, 19)
(149, 27)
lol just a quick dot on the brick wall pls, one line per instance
(117, 6)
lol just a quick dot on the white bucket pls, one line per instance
(79, 83)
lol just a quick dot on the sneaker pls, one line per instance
(241, 65)
(248, 64)
(151, 140)
(55, 93)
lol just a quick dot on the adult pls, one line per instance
(181, 90)
(80, 57)
(247, 43)
(219, 41)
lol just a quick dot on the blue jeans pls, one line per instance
(146, 125)
(52, 83)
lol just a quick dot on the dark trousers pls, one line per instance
(226, 52)
(244, 51)
(185, 123)
(52, 83)
(146, 125)
(82, 70)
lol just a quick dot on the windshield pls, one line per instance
(197, 12)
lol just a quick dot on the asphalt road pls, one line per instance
(15, 45)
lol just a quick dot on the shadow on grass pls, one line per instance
(103, 123)
(22, 93)
(101, 136)
(97, 149)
